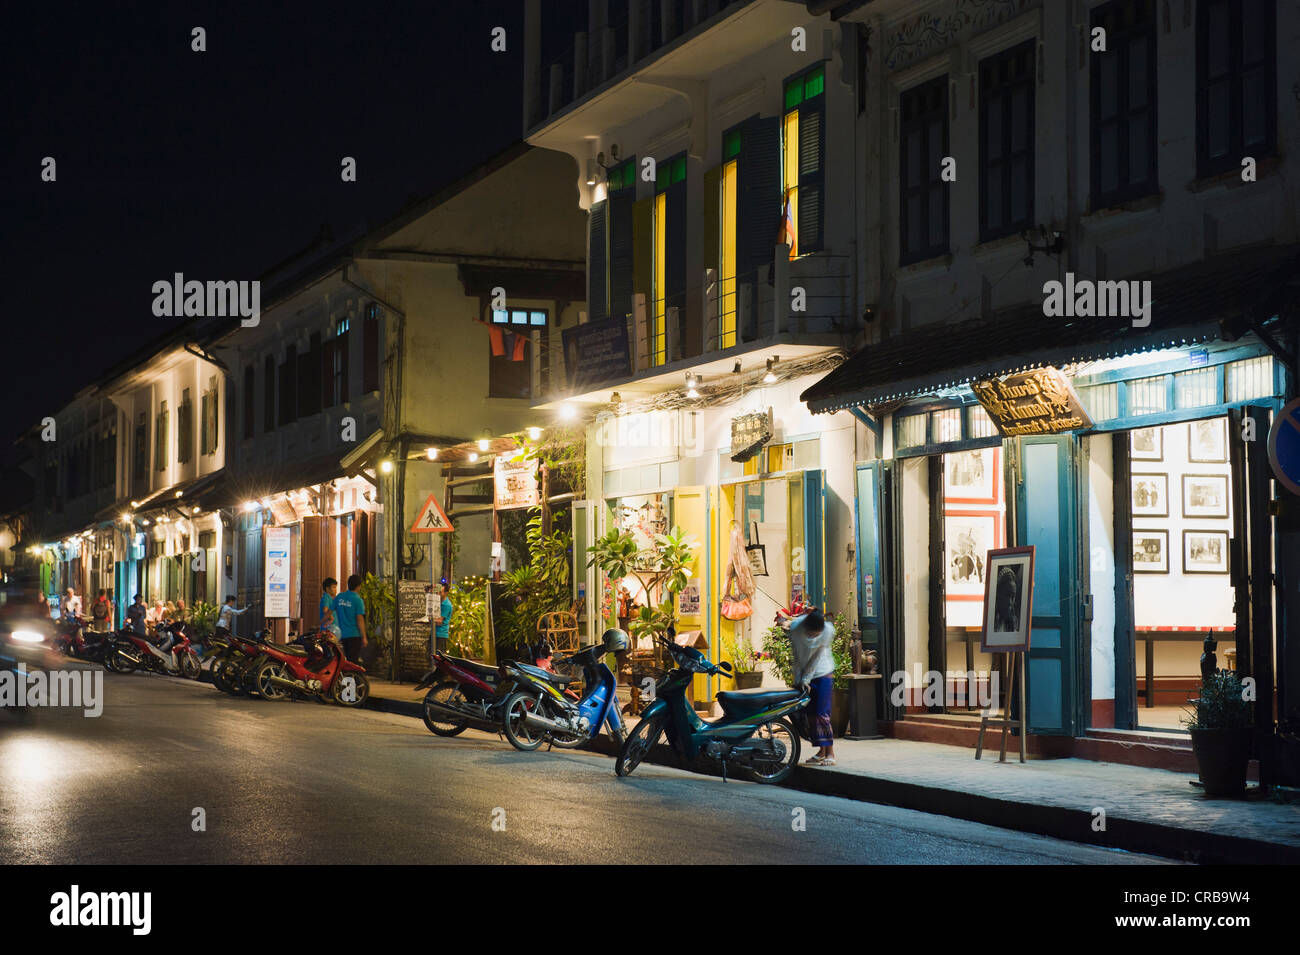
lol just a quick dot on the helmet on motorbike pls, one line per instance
(615, 640)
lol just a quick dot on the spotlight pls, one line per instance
(179, 493)
(386, 466)
(568, 412)
(483, 444)
(250, 506)
(770, 377)
(431, 454)
(473, 456)
(135, 504)
(534, 433)
(125, 517)
(692, 386)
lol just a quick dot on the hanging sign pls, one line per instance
(432, 519)
(514, 478)
(749, 432)
(1032, 402)
(277, 571)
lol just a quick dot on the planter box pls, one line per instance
(839, 711)
(748, 681)
(1222, 757)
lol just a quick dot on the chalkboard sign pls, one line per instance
(414, 628)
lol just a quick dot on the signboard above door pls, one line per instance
(1040, 401)
(749, 433)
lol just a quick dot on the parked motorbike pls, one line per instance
(752, 733)
(462, 694)
(315, 667)
(538, 710)
(131, 652)
(234, 668)
(72, 639)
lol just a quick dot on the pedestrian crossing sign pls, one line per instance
(432, 519)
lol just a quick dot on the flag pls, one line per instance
(787, 234)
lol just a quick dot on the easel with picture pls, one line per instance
(1008, 619)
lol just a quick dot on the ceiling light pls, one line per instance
(179, 493)
(568, 412)
(692, 386)
(483, 444)
(135, 503)
(250, 505)
(473, 456)
(145, 522)
(534, 433)
(195, 510)
(126, 517)
(431, 454)
(770, 377)
(386, 466)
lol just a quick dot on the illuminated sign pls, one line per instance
(1032, 402)
(749, 432)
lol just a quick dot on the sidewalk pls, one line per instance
(1146, 810)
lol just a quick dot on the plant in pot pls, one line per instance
(744, 662)
(1220, 724)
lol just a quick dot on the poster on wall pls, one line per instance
(1207, 441)
(1150, 495)
(1205, 495)
(1205, 552)
(968, 537)
(688, 601)
(972, 477)
(1008, 600)
(277, 564)
(1150, 552)
(1147, 444)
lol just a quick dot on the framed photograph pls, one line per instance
(1008, 600)
(1150, 552)
(1205, 495)
(1150, 496)
(968, 536)
(1147, 444)
(973, 477)
(1207, 441)
(1205, 552)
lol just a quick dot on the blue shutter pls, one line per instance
(596, 264)
(759, 204)
(812, 158)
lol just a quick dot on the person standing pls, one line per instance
(442, 622)
(350, 612)
(70, 605)
(329, 590)
(137, 616)
(813, 666)
(101, 611)
(226, 618)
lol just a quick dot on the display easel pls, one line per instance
(1005, 722)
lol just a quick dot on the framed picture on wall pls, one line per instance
(1150, 552)
(1008, 600)
(1205, 552)
(1147, 444)
(972, 477)
(968, 536)
(1205, 495)
(1207, 441)
(1150, 497)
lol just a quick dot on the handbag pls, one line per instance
(757, 555)
(735, 605)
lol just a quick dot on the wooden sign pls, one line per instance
(749, 432)
(1032, 402)
(514, 479)
(432, 519)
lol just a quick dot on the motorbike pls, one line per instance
(538, 710)
(130, 651)
(462, 694)
(753, 731)
(72, 639)
(315, 667)
(233, 668)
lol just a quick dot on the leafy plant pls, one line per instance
(203, 619)
(564, 452)
(614, 554)
(666, 563)
(468, 629)
(380, 606)
(776, 646)
(740, 650)
(539, 587)
(1222, 704)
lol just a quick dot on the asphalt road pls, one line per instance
(309, 783)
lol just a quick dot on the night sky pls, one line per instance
(223, 163)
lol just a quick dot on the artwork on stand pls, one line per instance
(972, 477)
(1207, 441)
(1147, 444)
(967, 537)
(1205, 552)
(1150, 552)
(1205, 495)
(1150, 495)
(1008, 600)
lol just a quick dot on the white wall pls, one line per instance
(1099, 454)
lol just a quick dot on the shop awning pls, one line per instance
(1189, 305)
(234, 488)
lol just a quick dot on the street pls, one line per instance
(309, 783)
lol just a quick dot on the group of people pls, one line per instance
(344, 615)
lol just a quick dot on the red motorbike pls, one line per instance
(462, 694)
(72, 639)
(315, 667)
(130, 651)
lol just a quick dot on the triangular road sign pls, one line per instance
(432, 519)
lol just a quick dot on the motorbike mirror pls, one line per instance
(725, 667)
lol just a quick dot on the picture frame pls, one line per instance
(1150, 551)
(1207, 441)
(1008, 600)
(968, 536)
(1147, 444)
(1205, 551)
(1205, 495)
(973, 477)
(1149, 494)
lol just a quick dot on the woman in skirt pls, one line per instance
(811, 637)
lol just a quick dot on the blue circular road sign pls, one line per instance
(1284, 446)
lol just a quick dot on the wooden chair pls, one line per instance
(560, 629)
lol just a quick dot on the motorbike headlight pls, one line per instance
(27, 636)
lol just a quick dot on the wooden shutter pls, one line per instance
(327, 374)
(596, 268)
(812, 155)
(312, 570)
(759, 173)
(341, 349)
(370, 354)
(712, 208)
(621, 251)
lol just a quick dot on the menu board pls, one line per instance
(414, 628)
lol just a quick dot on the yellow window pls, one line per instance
(790, 180)
(727, 263)
(659, 319)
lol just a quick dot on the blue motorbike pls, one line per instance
(752, 733)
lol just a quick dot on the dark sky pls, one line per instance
(220, 164)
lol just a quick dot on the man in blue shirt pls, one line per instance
(350, 612)
(442, 629)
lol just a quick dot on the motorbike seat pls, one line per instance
(555, 679)
(290, 648)
(757, 698)
(479, 669)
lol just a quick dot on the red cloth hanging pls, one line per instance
(498, 341)
(521, 340)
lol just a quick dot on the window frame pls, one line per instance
(1206, 165)
(1005, 90)
(804, 106)
(923, 121)
(1125, 190)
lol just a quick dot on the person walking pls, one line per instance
(442, 622)
(227, 615)
(101, 611)
(813, 666)
(137, 616)
(350, 612)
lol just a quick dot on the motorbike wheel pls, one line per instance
(637, 746)
(360, 694)
(447, 693)
(190, 667)
(118, 662)
(262, 680)
(520, 734)
(218, 671)
(781, 734)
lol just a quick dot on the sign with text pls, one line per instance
(749, 432)
(596, 353)
(1032, 402)
(515, 482)
(277, 570)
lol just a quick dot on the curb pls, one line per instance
(1057, 822)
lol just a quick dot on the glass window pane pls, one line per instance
(911, 431)
(1195, 389)
(914, 238)
(1252, 378)
(945, 425)
(994, 200)
(1108, 158)
(1021, 122)
(1020, 198)
(1147, 396)
(793, 93)
(1137, 73)
(1217, 119)
(1137, 149)
(1218, 36)
(993, 128)
(1254, 41)
(981, 425)
(1100, 401)
(815, 83)
(1254, 105)
(538, 318)
(935, 234)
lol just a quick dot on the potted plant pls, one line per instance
(744, 662)
(1220, 725)
(776, 647)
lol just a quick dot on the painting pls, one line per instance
(1150, 552)
(973, 477)
(1008, 600)
(1150, 496)
(1205, 495)
(967, 538)
(1147, 444)
(1207, 441)
(1205, 552)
